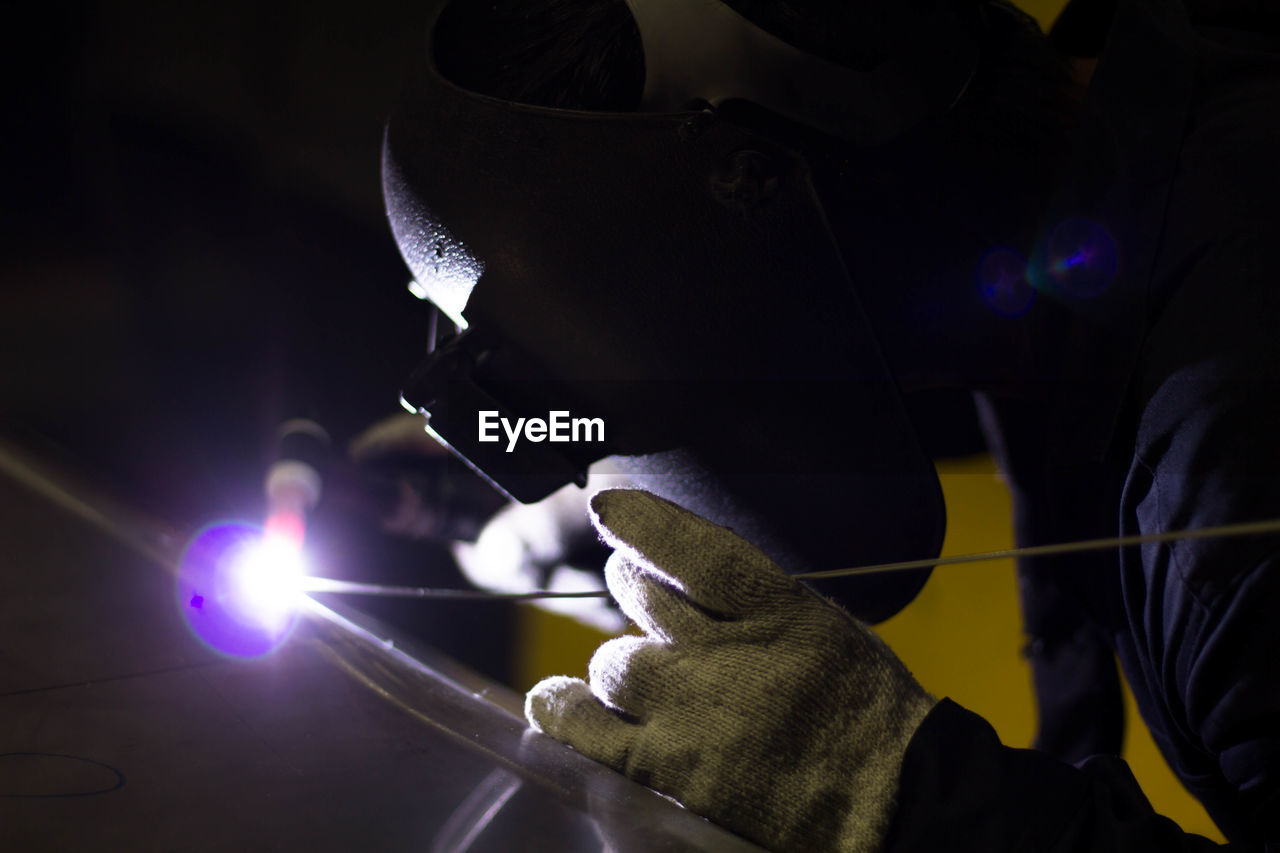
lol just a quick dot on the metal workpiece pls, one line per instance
(120, 729)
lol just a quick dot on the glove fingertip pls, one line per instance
(603, 509)
(567, 710)
(623, 515)
(551, 700)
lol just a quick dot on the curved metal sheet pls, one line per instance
(345, 737)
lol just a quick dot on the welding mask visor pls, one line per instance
(673, 275)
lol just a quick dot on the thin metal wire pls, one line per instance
(340, 587)
(433, 328)
(1248, 528)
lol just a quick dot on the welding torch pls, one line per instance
(295, 481)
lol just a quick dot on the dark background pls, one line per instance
(193, 248)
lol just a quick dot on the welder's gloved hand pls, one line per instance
(749, 699)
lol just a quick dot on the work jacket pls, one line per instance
(1166, 415)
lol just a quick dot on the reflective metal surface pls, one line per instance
(119, 730)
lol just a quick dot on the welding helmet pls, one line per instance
(671, 273)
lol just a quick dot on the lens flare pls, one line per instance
(1081, 258)
(239, 588)
(1003, 284)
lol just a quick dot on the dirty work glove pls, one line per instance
(749, 699)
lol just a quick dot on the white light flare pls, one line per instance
(268, 577)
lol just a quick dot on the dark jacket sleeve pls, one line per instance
(962, 790)
(1200, 635)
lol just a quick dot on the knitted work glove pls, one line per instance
(749, 699)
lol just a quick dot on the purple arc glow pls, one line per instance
(239, 589)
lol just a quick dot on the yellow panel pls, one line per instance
(1043, 11)
(962, 636)
(550, 644)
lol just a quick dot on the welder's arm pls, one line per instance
(962, 790)
(770, 711)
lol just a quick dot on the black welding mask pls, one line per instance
(667, 281)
